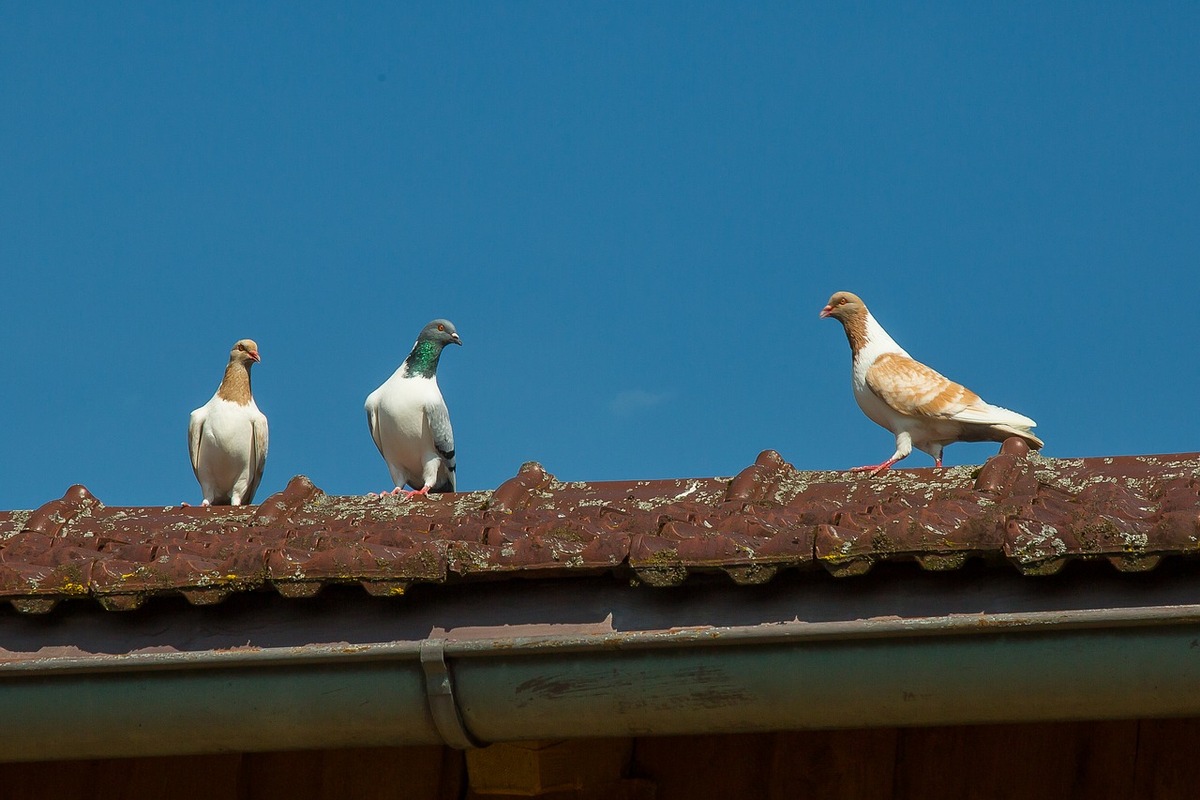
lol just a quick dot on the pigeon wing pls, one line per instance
(258, 455)
(913, 389)
(373, 423)
(195, 435)
(443, 435)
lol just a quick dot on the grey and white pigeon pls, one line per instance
(227, 436)
(409, 420)
(922, 408)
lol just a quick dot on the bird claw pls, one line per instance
(874, 469)
(397, 492)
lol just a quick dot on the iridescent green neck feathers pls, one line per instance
(422, 362)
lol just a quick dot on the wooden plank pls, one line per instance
(1168, 759)
(404, 773)
(209, 777)
(1094, 760)
(46, 780)
(1050, 761)
(178, 777)
(1105, 755)
(383, 773)
(296, 775)
(627, 789)
(369, 773)
(714, 767)
(534, 769)
(831, 765)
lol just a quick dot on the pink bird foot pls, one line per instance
(398, 491)
(874, 469)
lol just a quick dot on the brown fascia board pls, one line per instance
(1033, 513)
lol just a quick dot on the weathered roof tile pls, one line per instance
(1035, 513)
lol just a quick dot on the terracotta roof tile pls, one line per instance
(1033, 513)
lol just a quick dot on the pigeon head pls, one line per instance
(245, 352)
(422, 362)
(235, 386)
(440, 332)
(844, 306)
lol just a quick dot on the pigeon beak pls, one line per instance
(826, 311)
(254, 355)
(455, 339)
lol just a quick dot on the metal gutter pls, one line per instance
(958, 669)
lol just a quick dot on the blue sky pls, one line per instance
(631, 212)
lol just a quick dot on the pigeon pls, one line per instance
(409, 420)
(227, 436)
(923, 409)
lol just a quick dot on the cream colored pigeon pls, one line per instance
(921, 407)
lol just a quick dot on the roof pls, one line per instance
(644, 607)
(1020, 509)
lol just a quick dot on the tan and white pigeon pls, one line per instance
(227, 436)
(409, 420)
(924, 409)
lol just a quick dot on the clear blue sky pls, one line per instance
(632, 213)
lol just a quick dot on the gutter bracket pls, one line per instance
(439, 691)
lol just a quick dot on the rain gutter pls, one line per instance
(497, 686)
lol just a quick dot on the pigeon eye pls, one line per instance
(441, 327)
(241, 347)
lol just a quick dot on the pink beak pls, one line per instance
(826, 311)
(254, 354)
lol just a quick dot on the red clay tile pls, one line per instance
(1036, 513)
